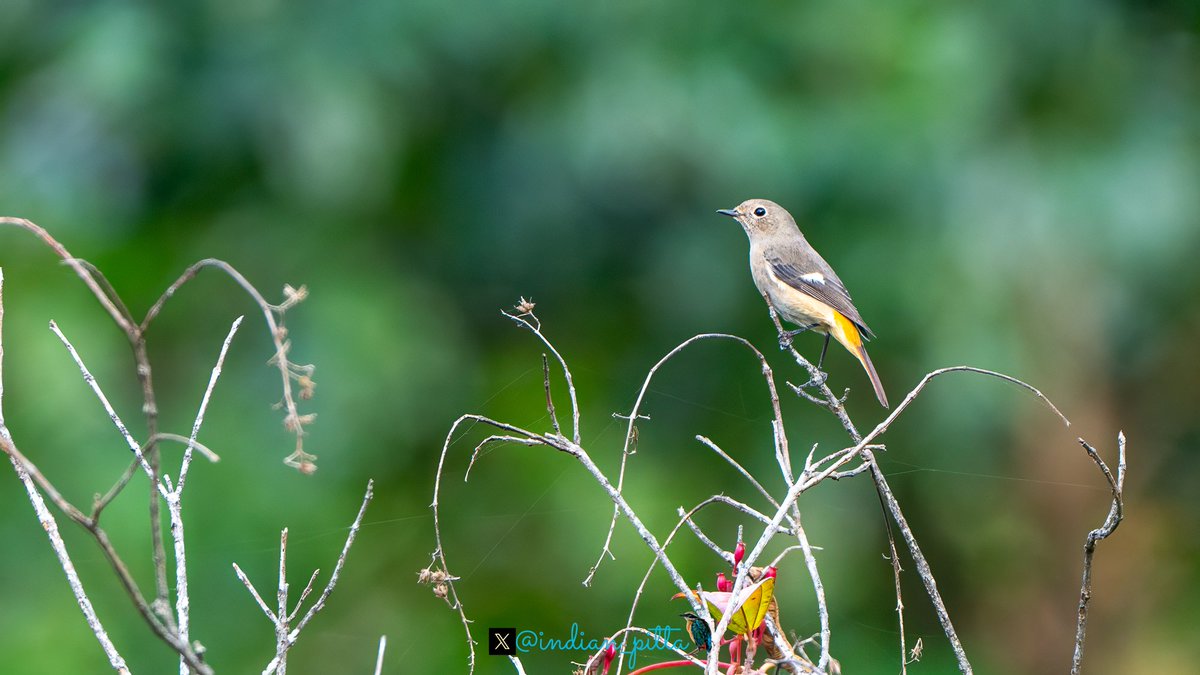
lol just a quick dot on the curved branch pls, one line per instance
(780, 438)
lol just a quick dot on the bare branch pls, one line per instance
(254, 592)
(549, 398)
(288, 371)
(740, 469)
(101, 502)
(781, 448)
(810, 561)
(50, 525)
(304, 594)
(496, 438)
(894, 557)
(159, 623)
(64, 560)
(784, 520)
(281, 626)
(317, 606)
(379, 659)
(82, 270)
(536, 328)
(112, 414)
(835, 405)
(446, 583)
(212, 383)
(172, 629)
(912, 395)
(175, 506)
(1116, 513)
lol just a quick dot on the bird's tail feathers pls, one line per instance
(845, 332)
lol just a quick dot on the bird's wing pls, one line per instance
(820, 283)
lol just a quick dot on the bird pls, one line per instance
(698, 630)
(800, 285)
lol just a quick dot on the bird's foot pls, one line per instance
(786, 337)
(816, 380)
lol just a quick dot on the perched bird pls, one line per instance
(799, 284)
(699, 631)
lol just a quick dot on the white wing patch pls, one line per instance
(813, 277)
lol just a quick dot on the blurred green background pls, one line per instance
(1010, 185)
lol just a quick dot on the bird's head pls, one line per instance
(760, 216)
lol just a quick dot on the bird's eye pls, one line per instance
(760, 212)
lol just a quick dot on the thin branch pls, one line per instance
(549, 398)
(158, 611)
(80, 269)
(701, 609)
(555, 442)
(212, 383)
(317, 606)
(835, 405)
(337, 567)
(912, 395)
(120, 315)
(50, 525)
(44, 483)
(112, 414)
(304, 594)
(536, 328)
(281, 626)
(447, 589)
(894, 557)
(495, 438)
(738, 593)
(254, 592)
(159, 623)
(1116, 513)
(288, 371)
(832, 466)
(172, 629)
(810, 561)
(379, 659)
(781, 448)
(101, 502)
(64, 560)
(740, 469)
(923, 570)
(748, 510)
(175, 504)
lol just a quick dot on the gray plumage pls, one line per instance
(799, 284)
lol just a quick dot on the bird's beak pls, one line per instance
(728, 212)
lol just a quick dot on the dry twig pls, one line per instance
(171, 627)
(784, 519)
(1116, 513)
(285, 634)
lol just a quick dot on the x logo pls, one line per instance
(502, 641)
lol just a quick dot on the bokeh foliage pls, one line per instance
(1010, 185)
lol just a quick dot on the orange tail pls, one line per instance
(845, 332)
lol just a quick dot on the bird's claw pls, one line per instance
(816, 380)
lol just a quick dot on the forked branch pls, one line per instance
(783, 516)
(285, 634)
(1116, 513)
